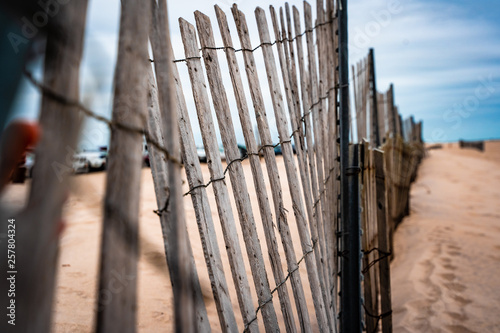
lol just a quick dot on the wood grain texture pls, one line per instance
(119, 249)
(238, 181)
(158, 163)
(38, 224)
(258, 176)
(216, 172)
(189, 314)
(383, 241)
(272, 169)
(293, 181)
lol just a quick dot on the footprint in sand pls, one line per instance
(446, 260)
(457, 316)
(448, 276)
(449, 267)
(459, 329)
(461, 300)
(455, 286)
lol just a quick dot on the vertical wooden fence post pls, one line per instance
(383, 242)
(374, 132)
(37, 227)
(117, 309)
(186, 312)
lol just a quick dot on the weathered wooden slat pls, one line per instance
(291, 98)
(284, 59)
(217, 175)
(323, 123)
(332, 134)
(366, 101)
(381, 117)
(374, 128)
(158, 163)
(36, 228)
(258, 176)
(116, 311)
(366, 237)
(164, 74)
(306, 116)
(383, 242)
(292, 178)
(293, 78)
(188, 314)
(240, 191)
(272, 169)
(306, 98)
(318, 93)
(317, 111)
(372, 215)
(297, 126)
(391, 111)
(287, 77)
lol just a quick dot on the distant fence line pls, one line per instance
(479, 145)
(381, 167)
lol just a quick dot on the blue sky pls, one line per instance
(442, 56)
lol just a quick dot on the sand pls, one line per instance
(444, 276)
(79, 251)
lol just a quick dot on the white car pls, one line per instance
(80, 164)
(202, 155)
(96, 159)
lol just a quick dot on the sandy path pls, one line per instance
(445, 276)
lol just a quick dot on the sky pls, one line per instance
(443, 58)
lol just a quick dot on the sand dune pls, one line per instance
(447, 264)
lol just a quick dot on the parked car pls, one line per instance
(202, 155)
(145, 155)
(277, 150)
(28, 164)
(96, 159)
(80, 164)
(243, 150)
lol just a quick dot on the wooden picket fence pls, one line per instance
(392, 151)
(385, 161)
(310, 209)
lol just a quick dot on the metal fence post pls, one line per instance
(350, 279)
